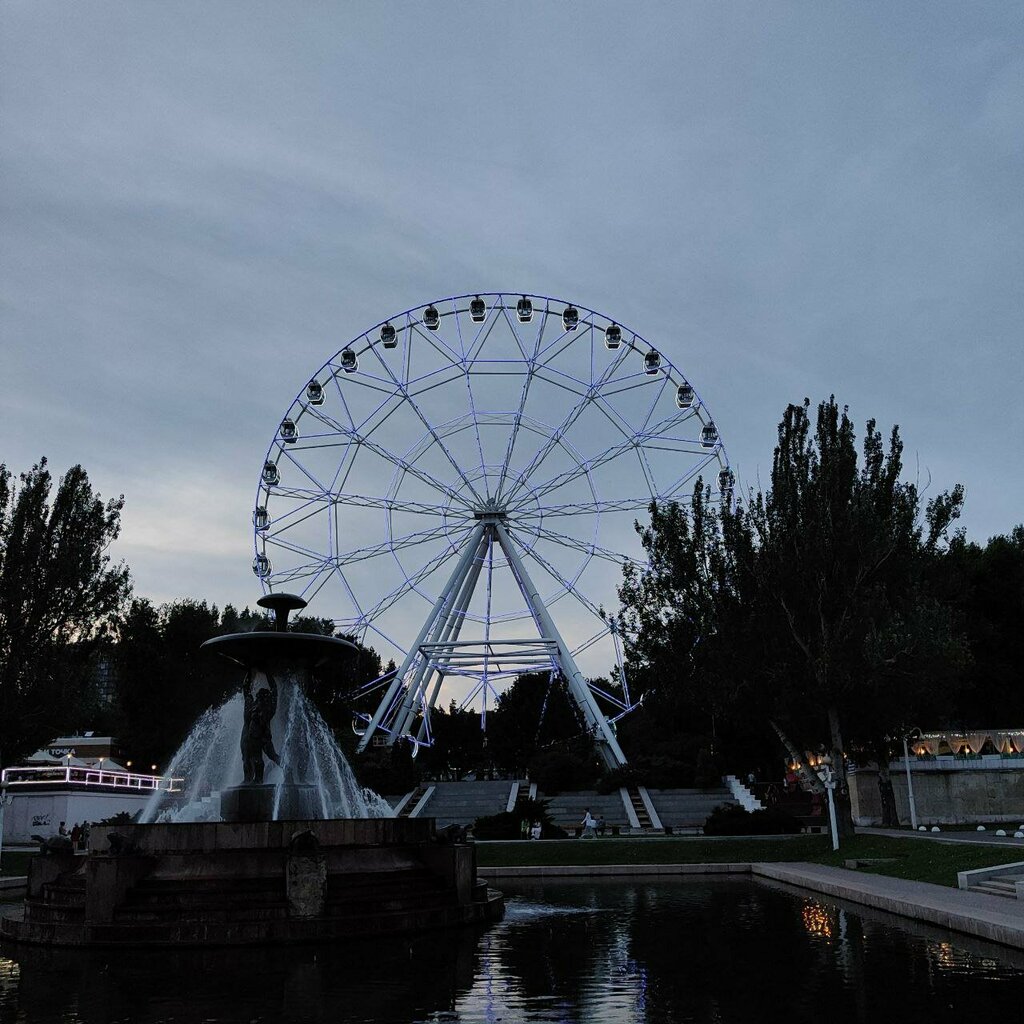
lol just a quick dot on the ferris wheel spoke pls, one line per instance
(469, 390)
(615, 557)
(569, 586)
(387, 455)
(695, 471)
(436, 343)
(300, 572)
(571, 417)
(583, 469)
(483, 335)
(394, 544)
(410, 583)
(411, 402)
(514, 432)
(590, 641)
(515, 334)
(580, 508)
(396, 505)
(655, 401)
(283, 543)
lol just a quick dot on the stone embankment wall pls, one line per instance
(954, 794)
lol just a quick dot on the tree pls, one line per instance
(533, 713)
(841, 551)
(59, 594)
(984, 585)
(165, 680)
(808, 607)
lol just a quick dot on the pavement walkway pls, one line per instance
(970, 838)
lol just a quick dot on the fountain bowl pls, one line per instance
(212, 883)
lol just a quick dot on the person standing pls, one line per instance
(588, 826)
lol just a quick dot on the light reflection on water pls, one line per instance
(701, 950)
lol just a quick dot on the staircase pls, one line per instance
(1006, 880)
(639, 808)
(410, 804)
(687, 808)
(1002, 886)
(461, 803)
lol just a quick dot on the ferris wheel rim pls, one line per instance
(543, 309)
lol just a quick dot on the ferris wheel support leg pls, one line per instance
(608, 745)
(447, 627)
(443, 600)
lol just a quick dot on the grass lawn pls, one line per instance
(916, 859)
(14, 863)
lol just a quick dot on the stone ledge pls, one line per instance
(986, 917)
(610, 870)
(991, 918)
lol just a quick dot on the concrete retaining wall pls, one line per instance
(944, 796)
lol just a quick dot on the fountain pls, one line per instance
(272, 840)
(308, 776)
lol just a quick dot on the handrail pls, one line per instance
(79, 776)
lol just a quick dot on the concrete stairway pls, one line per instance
(461, 803)
(406, 808)
(567, 809)
(1003, 886)
(1006, 880)
(687, 808)
(643, 816)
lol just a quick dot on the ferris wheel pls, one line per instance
(465, 473)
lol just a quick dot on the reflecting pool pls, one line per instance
(705, 950)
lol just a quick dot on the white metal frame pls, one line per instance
(538, 501)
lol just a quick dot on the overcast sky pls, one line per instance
(202, 201)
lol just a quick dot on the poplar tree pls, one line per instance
(59, 593)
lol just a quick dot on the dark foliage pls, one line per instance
(509, 824)
(59, 594)
(733, 820)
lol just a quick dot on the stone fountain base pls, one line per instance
(211, 883)
(260, 801)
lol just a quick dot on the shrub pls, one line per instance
(733, 820)
(509, 824)
(122, 818)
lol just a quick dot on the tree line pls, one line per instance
(836, 608)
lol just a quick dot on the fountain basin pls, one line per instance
(212, 883)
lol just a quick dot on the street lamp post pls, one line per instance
(828, 777)
(910, 781)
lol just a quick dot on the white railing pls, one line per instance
(13, 778)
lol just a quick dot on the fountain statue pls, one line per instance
(249, 852)
(257, 739)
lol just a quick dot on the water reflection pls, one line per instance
(715, 950)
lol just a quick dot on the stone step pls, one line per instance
(995, 889)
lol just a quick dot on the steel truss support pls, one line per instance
(599, 726)
(442, 607)
(416, 685)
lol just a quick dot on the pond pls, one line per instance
(705, 950)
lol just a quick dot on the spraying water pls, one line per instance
(210, 761)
